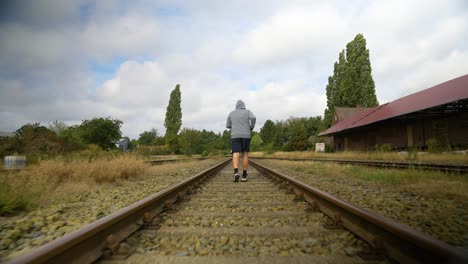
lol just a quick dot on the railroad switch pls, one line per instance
(334, 222)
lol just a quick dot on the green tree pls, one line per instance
(334, 88)
(159, 141)
(58, 127)
(34, 138)
(147, 137)
(226, 140)
(256, 142)
(298, 135)
(351, 83)
(209, 141)
(189, 140)
(358, 85)
(313, 125)
(281, 136)
(72, 135)
(268, 132)
(173, 120)
(104, 132)
(133, 144)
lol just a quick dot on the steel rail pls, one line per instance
(385, 164)
(89, 243)
(385, 236)
(162, 161)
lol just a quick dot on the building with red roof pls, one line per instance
(439, 112)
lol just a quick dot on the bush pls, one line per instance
(386, 147)
(205, 153)
(269, 148)
(34, 158)
(329, 148)
(434, 146)
(13, 200)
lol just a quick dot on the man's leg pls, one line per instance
(235, 160)
(245, 161)
(245, 166)
(235, 146)
(235, 165)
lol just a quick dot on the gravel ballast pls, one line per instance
(444, 217)
(23, 232)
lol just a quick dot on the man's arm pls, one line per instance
(253, 119)
(228, 122)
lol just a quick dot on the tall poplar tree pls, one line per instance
(351, 83)
(358, 85)
(173, 120)
(335, 87)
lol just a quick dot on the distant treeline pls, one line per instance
(58, 138)
(293, 134)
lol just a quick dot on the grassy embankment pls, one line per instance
(25, 189)
(449, 158)
(422, 181)
(433, 183)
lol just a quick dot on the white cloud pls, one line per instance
(281, 100)
(136, 84)
(25, 48)
(294, 32)
(275, 55)
(129, 35)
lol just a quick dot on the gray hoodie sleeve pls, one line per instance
(228, 122)
(253, 119)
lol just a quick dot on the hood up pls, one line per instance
(240, 104)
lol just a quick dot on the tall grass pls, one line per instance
(431, 182)
(449, 158)
(23, 189)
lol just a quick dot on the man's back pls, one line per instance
(241, 121)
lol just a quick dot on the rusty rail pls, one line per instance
(89, 243)
(385, 236)
(386, 164)
(162, 161)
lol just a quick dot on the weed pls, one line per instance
(23, 189)
(449, 158)
(434, 183)
(14, 199)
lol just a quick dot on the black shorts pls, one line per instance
(240, 145)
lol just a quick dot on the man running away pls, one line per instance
(241, 122)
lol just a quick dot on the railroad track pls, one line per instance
(163, 161)
(385, 164)
(270, 219)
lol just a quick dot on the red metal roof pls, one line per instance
(447, 92)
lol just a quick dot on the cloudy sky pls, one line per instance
(75, 60)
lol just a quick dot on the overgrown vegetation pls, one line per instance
(24, 189)
(449, 158)
(430, 182)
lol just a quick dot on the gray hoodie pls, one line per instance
(241, 121)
